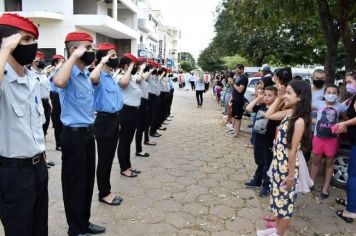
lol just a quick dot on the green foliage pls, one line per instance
(186, 65)
(209, 60)
(232, 61)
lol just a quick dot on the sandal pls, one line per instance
(136, 171)
(270, 224)
(268, 218)
(341, 201)
(132, 175)
(340, 213)
(115, 201)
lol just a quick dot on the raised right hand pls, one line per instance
(78, 52)
(11, 42)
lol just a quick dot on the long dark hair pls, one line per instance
(284, 75)
(302, 110)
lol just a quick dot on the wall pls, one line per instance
(84, 7)
(63, 6)
(126, 17)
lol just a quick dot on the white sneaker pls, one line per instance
(228, 125)
(267, 232)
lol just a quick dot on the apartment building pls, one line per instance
(112, 21)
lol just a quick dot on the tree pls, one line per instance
(209, 59)
(186, 65)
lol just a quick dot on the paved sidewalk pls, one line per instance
(192, 184)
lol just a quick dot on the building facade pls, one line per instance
(56, 18)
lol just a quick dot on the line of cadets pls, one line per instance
(129, 96)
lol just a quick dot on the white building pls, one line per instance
(56, 18)
(148, 29)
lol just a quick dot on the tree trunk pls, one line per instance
(349, 46)
(332, 35)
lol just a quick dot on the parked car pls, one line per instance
(250, 90)
(341, 162)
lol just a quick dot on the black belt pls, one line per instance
(17, 162)
(130, 107)
(75, 129)
(102, 113)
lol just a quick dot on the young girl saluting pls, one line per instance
(292, 135)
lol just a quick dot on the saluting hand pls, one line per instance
(105, 59)
(142, 67)
(78, 52)
(11, 42)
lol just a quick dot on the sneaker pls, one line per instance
(265, 192)
(252, 184)
(267, 232)
(229, 126)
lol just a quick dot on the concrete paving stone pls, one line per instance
(195, 209)
(192, 232)
(210, 223)
(222, 211)
(250, 213)
(240, 226)
(180, 220)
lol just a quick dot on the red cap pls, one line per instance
(106, 47)
(57, 56)
(40, 55)
(19, 22)
(158, 65)
(131, 57)
(142, 59)
(78, 36)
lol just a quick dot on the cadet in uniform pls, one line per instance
(108, 101)
(154, 102)
(77, 139)
(132, 99)
(37, 67)
(142, 114)
(57, 62)
(23, 171)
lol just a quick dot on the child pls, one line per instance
(324, 141)
(264, 134)
(292, 135)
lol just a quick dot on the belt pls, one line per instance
(17, 162)
(102, 113)
(130, 107)
(75, 129)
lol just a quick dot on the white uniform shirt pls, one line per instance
(131, 93)
(45, 85)
(144, 88)
(21, 115)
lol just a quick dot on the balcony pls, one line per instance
(105, 25)
(144, 25)
(153, 37)
(47, 15)
(125, 4)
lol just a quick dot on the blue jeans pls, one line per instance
(351, 182)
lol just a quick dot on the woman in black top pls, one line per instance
(350, 126)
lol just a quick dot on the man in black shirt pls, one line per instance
(237, 98)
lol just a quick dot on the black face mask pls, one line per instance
(318, 83)
(90, 69)
(147, 69)
(134, 70)
(41, 64)
(88, 58)
(113, 62)
(25, 54)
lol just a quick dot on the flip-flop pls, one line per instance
(340, 213)
(341, 201)
(268, 218)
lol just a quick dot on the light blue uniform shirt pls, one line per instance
(107, 96)
(77, 99)
(21, 115)
(53, 87)
(170, 83)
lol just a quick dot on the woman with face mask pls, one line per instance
(132, 99)
(349, 126)
(108, 102)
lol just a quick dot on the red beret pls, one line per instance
(57, 57)
(142, 59)
(158, 65)
(19, 22)
(106, 47)
(131, 57)
(78, 36)
(40, 55)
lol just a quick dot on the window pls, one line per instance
(13, 5)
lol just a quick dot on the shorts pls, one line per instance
(326, 146)
(237, 109)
